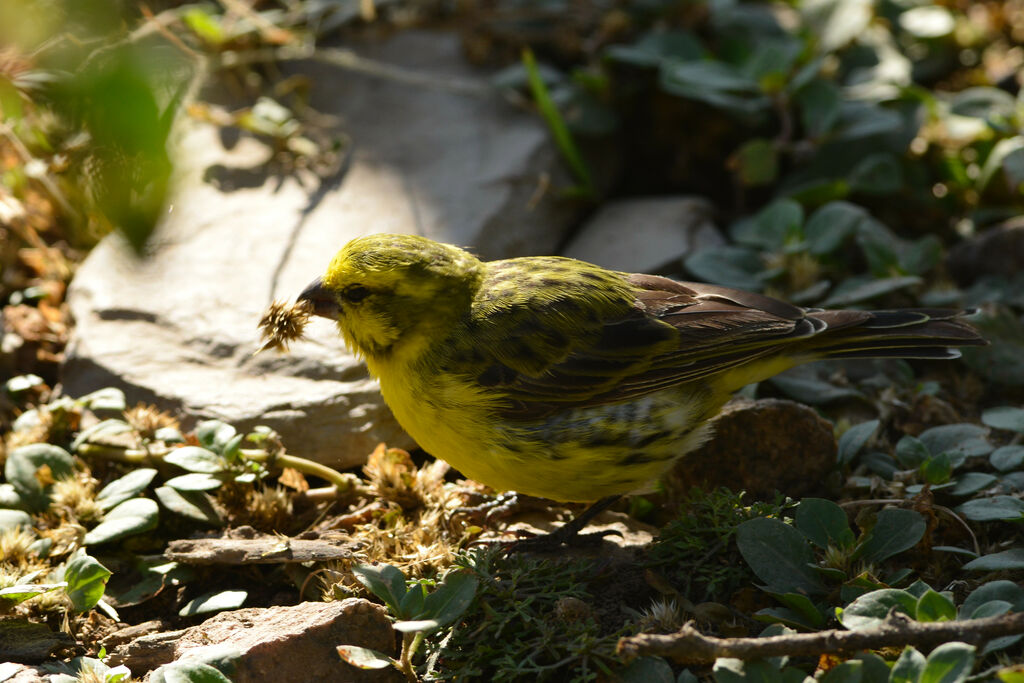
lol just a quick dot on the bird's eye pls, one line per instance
(355, 293)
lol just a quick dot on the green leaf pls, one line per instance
(449, 600)
(133, 516)
(870, 609)
(895, 530)
(918, 588)
(556, 124)
(417, 625)
(12, 595)
(128, 486)
(86, 579)
(12, 519)
(1012, 674)
(877, 174)
(1005, 417)
(850, 671)
(778, 554)
(194, 481)
(1007, 559)
(831, 226)
(654, 48)
(186, 671)
(647, 670)
(934, 606)
(772, 227)
(727, 265)
(24, 464)
(411, 606)
(384, 581)
(804, 384)
(938, 469)
(909, 667)
(965, 439)
(107, 399)
(874, 667)
(213, 434)
(205, 25)
(858, 289)
(22, 383)
(194, 505)
(787, 617)
(232, 448)
(757, 162)
(927, 21)
(364, 657)
(195, 459)
(854, 439)
(836, 24)
(911, 451)
(1001, 152)
(824, 523)
(1007, 458)
(1001, 590)
(972, 482)
(983, 103)
(996, 508)
(727, 670)
(10, 101)
(802, 606)
(687, 676)
(110, 427)
(859, 120)
(819, 103)
(715, 83)
(948, 663)
(214, 602)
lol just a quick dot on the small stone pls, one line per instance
(996, 251)
(760, 447)
(11, 672)
(284, 644)
(645, 235)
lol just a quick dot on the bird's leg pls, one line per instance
(569, 534)
(504, 504)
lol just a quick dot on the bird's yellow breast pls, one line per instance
(581, 454)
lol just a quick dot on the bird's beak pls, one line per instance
(324, 303)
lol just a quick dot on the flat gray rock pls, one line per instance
(646, 234)
(179, 329)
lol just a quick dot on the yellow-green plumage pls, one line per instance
(561, 379)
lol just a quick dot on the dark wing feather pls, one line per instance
(660, 333)
(616, 337)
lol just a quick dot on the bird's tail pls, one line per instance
(908, 333)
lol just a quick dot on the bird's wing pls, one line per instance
(655, 334)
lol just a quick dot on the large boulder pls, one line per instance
(179, 328)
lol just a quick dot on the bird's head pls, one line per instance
(391, 293)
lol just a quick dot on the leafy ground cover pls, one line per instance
(849, 146)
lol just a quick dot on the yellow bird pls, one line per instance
(561, 379)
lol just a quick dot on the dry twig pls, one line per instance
(689, 646)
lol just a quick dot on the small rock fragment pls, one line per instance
(296, 643)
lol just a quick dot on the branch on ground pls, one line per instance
(689, 646)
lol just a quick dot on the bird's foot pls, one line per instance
(501, 507)
(559, 539)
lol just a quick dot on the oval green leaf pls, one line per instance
(134, 516)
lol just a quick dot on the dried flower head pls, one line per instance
(147, 419)
(282, 324)
(76, 497)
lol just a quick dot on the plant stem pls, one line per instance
(409, 645)
(341, 481)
